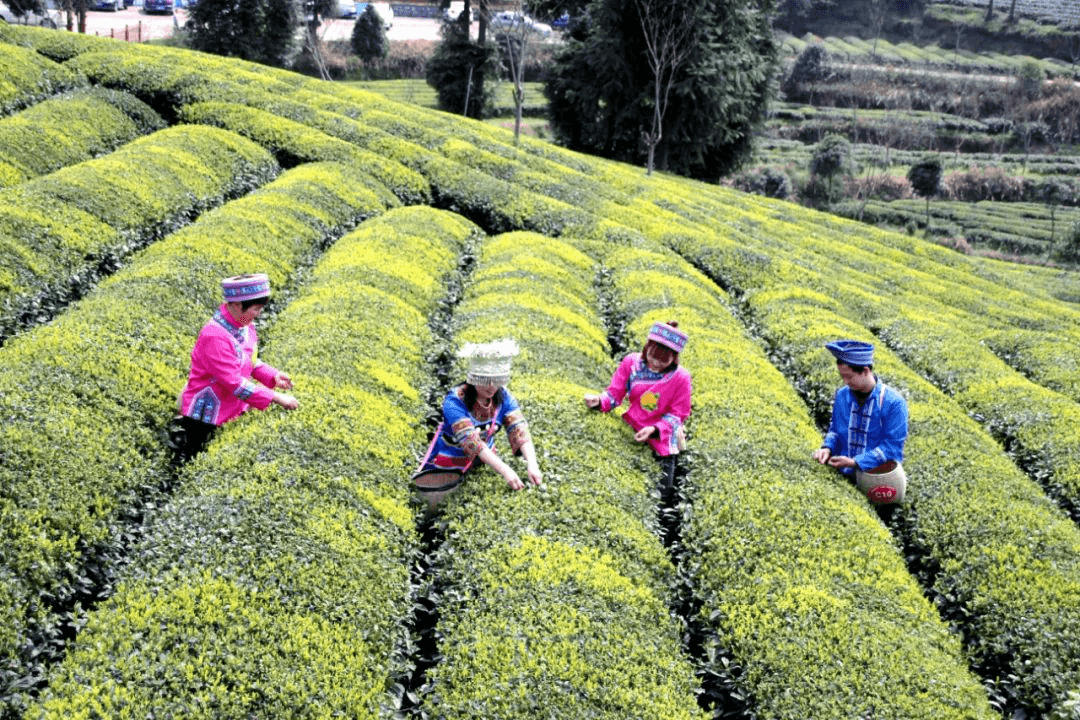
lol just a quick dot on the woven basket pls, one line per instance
(884, 484)
(435, 484)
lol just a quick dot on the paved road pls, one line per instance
(137, 26)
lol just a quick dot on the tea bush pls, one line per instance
(87, 397)
(789, 566)
(293, 143)
(63, 231)
(968, 480)
(94, 122)
(30, 77)
(536, 619)
(282, 564)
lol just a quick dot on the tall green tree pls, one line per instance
(831, 159)
(369, 40)
(263, 31)
(602, 90)
(925, 179)
(458, 68)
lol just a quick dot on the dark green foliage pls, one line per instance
(459, 70)
(259, 30)
(832, 157)
(21, 7)
(809, 68)
(601, 87)
(1054, 192)
(925, 176)
(767, 181)
(369, 36)
(1069, 249)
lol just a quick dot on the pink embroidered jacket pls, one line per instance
(658, 399)
(224, 360)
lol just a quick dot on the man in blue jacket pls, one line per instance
(869, 420)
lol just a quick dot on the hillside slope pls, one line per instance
(288, 572)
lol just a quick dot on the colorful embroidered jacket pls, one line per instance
(872, 433)
(464, 432)
(658, 399)
(224, 360)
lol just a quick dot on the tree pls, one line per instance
(457, 69)
(313, 11)
(878, 13)
(601, 88)
(1054, 192)
(262, 31)
(832, 158)
(459, 66)
(369, 36)
(809, 69)
(74, 10)
(989, 12)
(793, 12)
(516, 43)
(925, 179)
(668, 31)
(1068, 250)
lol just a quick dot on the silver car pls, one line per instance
(51, 17)
(509, 21)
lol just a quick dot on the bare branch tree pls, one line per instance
(669, 37)
(516, 38)
(879, 12)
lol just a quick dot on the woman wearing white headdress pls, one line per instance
(472, 413)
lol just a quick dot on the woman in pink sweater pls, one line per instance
(226, 377)
(660, 393)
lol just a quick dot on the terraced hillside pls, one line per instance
(288, 571)
(1062, 12)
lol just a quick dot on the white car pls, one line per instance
(52, 17)
(508, 20)
(453, 12)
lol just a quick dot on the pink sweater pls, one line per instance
(660, 400)
(224, 360)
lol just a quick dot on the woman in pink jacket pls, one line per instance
(659, 390)
(226, 377)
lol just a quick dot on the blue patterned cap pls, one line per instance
(245, 287)
(852, 352)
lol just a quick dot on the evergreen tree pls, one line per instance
(925, 179)
(369, 36)
(457, 71)
(601, 88)
(263, 31)
(832, 158)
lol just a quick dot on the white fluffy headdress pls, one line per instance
(489, 363)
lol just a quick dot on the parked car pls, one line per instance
(50, 17)
(508, 20)
(158, 6)
(562, 22)
(453, 12)
(113, 5)
(382, 9)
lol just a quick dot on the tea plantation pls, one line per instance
(289, 572)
